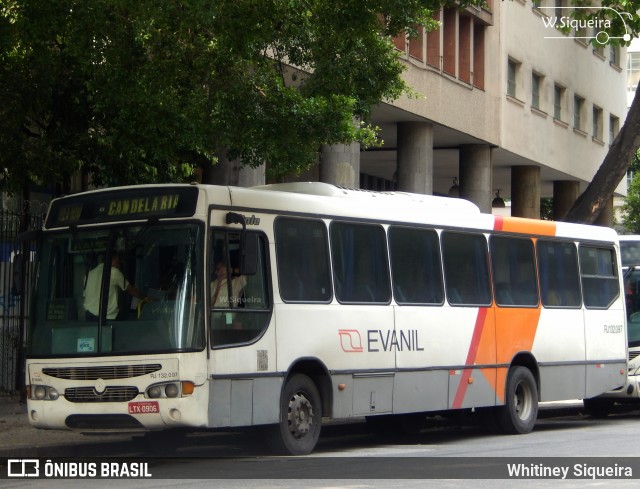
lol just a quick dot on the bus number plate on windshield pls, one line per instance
(144, 407)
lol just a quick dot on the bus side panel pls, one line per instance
(245, 387)
(516, 329)
(244, 402)
(448, 340)
(356, 342)
(421, 391)
(606, 349)
(559, 348)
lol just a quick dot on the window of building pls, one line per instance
(302, 249)
(597, 123)
(466, 268)
(614, 55)
(600, 286)
(633, 70)
(360, 263)
(478, 55)
(512, 77)
(536, 89)
(578, 107)
(415, 266)
(559, 278)
(416, 44)
(558, 100)
(465, 36)
(598, 48)
(614, 128)
(433, 44)
(449, 37)
(514, 271)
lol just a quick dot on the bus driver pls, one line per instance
(117, 282)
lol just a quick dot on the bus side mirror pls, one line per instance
(248, 245)
(249, 254)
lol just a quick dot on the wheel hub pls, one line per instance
(300, 415)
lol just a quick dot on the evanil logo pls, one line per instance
(584, 28)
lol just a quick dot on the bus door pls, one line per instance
(560, 347)
(517, 306)
(470, 321)
(604, 317)
(243, 346)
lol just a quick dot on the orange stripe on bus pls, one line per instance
(524, 226)
(471, 356)
(500, 333)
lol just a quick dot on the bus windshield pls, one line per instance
(118, 290)
(632, 293)
(629, 250)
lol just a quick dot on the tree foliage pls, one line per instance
(138, 91)
(631, 206)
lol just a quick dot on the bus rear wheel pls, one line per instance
(300, 418)
(520, 411)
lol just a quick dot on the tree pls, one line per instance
(138, 91)
(631, 206)
(624, 23)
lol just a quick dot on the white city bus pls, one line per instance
(337, 304)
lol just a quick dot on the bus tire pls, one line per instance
(300, 418)
(520, 411)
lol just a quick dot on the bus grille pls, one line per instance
(633, 354)
(111, 394)
(105, 372)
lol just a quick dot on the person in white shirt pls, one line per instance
(117, 283)
(220, 288)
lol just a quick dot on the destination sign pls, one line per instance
(123, 205)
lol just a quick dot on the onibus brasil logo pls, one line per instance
(599, 26)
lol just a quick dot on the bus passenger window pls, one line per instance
(466, 269)
(599, 276)
(514, 271)
(415, 266)
(302, 249)
(360, 263)
(559, 279)
(240, 306)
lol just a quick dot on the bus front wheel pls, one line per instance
(520, 411)
(300, 418)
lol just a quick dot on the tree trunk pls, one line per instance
(593, 200)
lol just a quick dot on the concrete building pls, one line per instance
(508, 103)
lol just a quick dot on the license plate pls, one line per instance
(144, 407)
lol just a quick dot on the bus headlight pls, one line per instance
(43, 393)
(169, 390)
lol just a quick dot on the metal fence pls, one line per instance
(16, 264)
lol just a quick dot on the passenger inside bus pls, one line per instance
(220, 297)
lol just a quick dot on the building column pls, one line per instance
(606, 216)
(249, 177)
(525, 191)
(415, 157)
(340, 165)
(475, 175)
(565, 193)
